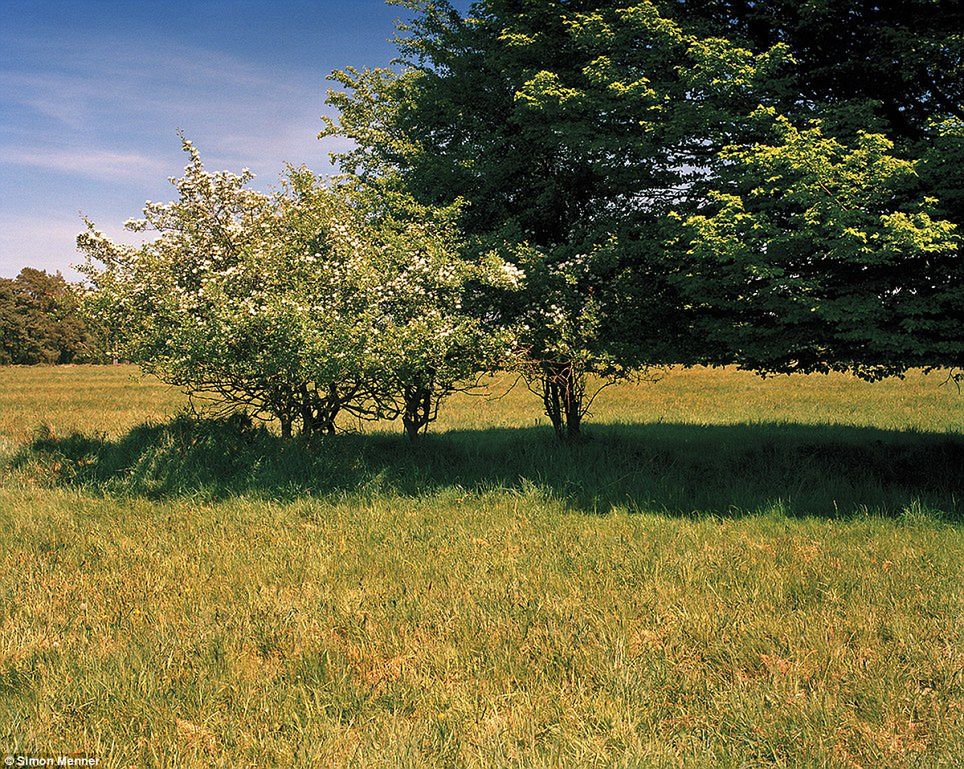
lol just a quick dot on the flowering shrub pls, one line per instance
(295, 306)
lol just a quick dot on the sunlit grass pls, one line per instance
(113, 399)
(782, 587)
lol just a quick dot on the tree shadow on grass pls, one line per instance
(678, 469)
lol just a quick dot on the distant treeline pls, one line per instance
(40, 321)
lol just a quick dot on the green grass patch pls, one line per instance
(708, 590)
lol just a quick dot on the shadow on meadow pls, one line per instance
(678, 469)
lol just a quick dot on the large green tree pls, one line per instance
(40, 321)
(605, 146)
(568, 128)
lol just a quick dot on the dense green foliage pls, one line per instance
(849, 204)
(894, 67)
(40, 321)
(806, 264)
(574, 129)
(901, 60)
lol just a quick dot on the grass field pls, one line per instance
(731, 572)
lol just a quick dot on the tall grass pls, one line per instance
(731, 572)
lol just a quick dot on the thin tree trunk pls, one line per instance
(563, 392)
(318, 414)
(552, 403)
(418, 410)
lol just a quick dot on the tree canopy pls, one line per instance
(40, 321)
(678, 180)
(296, 306)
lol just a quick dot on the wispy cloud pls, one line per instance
(96, 164)
(97, 96)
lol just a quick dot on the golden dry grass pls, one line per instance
(113, 399)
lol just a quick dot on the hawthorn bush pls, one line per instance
(298, 306)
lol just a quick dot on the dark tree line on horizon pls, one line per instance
(41, 321)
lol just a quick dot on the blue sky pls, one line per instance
(92, 95)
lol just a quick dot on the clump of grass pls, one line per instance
(450, 630)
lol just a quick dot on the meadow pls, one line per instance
(729, 572)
